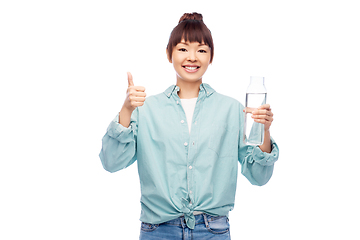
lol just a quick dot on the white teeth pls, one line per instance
(191, 68)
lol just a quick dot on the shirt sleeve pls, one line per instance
(119, 144)
(257, 166)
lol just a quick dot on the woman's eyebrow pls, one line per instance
(200, 44)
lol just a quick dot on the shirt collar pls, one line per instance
(203, 87)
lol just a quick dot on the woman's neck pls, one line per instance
(188, 89)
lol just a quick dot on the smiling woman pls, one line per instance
(187, 144)
(190, 50)
(191, 28)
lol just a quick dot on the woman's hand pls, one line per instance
(262, 114)
(135, 95)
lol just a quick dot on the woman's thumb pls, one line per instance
(130, 80)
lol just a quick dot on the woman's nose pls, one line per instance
(192, 56)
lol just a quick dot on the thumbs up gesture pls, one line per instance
(135, 95)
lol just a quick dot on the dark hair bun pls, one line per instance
(191, 16)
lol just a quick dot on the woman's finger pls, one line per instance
(130, 80)
(266, 117)
(249, 110)
(137, 94)
(265, 106)
(262, 112)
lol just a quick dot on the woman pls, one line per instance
(187, 142)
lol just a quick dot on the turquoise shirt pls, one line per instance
(180, 172)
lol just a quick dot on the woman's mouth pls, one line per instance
(191, 68)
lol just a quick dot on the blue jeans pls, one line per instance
(207, 227)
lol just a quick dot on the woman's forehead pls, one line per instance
(193, 43)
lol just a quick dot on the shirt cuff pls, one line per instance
(119, 132)
(264, 158)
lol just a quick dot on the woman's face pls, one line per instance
(190, 60)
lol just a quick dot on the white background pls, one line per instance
(63, 78)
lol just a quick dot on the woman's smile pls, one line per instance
(191, 68)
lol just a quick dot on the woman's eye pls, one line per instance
(182, 50)
(202, 51)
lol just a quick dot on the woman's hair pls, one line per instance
(191, 28)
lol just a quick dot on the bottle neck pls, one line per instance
(256, 85)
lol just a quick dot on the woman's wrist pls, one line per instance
(125, 116)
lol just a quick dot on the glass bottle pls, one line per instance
(255, 97)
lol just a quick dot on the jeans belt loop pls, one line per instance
(206, 220)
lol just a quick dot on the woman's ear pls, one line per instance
(168, 56)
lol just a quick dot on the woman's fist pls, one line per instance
(135, 95)
(263, 115)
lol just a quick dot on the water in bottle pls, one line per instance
(255, 97)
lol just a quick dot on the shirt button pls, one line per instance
(182, 121)
(190, 167)
(195, 122)
(193, 143)
(190, 192)
(185, 144)
(177, 102)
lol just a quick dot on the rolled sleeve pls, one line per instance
(264, 158)
(119, 132)
(258, 166)
(119, 145)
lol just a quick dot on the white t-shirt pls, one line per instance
(189, 107)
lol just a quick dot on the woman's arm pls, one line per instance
(119, 143)
(257, 166)
(266, 147)
(257, 162)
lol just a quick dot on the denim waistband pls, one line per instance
(199, 219)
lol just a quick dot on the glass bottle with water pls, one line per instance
(255, 97)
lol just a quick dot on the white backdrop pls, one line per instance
(63, 78)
